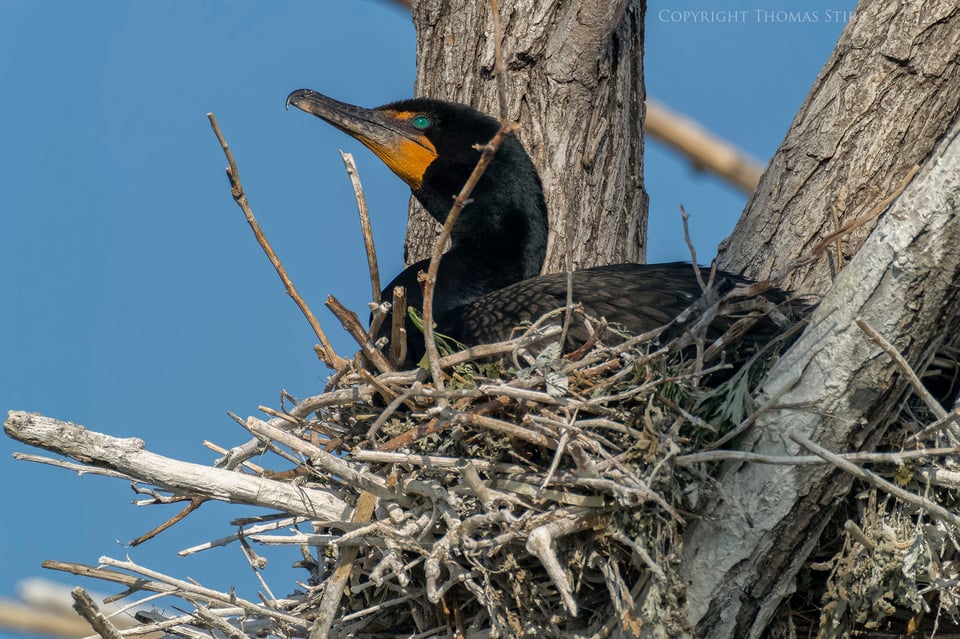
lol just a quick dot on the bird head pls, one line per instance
(433, 146)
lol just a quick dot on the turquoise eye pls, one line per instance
(420, 122)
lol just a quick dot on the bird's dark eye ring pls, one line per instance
(420, 122)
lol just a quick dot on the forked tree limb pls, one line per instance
(327, 354)
(742, 556)
(885, 98)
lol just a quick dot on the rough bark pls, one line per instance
(742, 557)
(575, 85)
(883, 104)
(885, 97)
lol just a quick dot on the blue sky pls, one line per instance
(136, 300)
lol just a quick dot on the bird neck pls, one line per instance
(503, 226)
(509, 244)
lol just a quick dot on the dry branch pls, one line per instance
(429, 282)
(365, 227)
(130, 457)
(703, 149)
(329, 356)
(88, 610)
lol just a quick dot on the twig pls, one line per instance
(84, 604)
(253, 530)
(898, 458)
(755, 415)
(334, 585)
(854, 530)
(164, 584)
(351, 166)
(758, 288)
(489, 150)
(194, 504)
(398, 331)
(938, 411)
(685, 217)
(216, 623)
(930, 507)
(344, 471)
(506, 428)
(540, 543)
(332, 360)
(190, 588)
(351, 323)
(949, 420)
(81, 469)
(220, 450)
(389, 411)
(130, 457)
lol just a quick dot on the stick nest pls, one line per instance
(535, 495)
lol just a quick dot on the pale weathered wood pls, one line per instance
(742, 557)
(888, 93)
(575, 85)
(130, 457)
(704, 150)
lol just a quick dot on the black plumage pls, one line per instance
(489, 280)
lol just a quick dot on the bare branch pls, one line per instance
(88, 609)
(130, 457)
(351, 166)
(703, 149)
(240, 197)
(906, 496)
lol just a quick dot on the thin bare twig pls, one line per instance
(351, 166)
(693, 251)
(932, 508)
(938, 411)
(950, 420)
(351, 323)
(330, 357)
(195, 503)
(898, 458)
(758, 288)
(489, 150)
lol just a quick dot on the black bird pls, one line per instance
(489, 280)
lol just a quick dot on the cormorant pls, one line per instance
(489, 280)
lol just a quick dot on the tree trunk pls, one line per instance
(575, 84)
(883, 100)
(742, 556)
(887, 101)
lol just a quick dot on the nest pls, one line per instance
(534, 494)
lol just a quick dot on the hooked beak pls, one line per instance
(405, 150)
